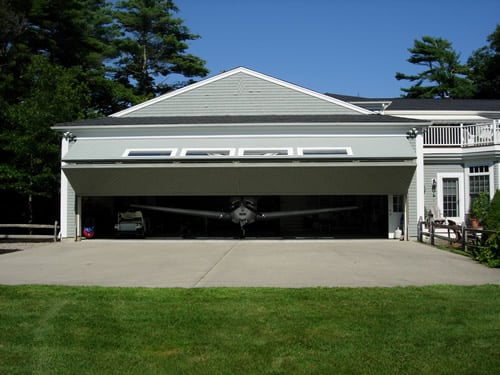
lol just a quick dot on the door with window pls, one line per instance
(396, 213)
(451, 196)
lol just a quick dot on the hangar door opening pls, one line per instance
(368, 220)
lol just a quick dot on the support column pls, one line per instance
(63, 219)
(419, 148)
(78, 218)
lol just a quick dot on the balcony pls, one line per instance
(477, 135)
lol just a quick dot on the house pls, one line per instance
(461, 149)
(242, 133)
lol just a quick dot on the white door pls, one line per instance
(396, 213)
(451, 196)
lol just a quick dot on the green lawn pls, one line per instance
(428, 330)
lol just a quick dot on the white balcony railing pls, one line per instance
(477, 135)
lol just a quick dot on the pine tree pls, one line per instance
(153, 46)
(443, 77)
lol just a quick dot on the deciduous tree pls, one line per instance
(29, 147)
(485, 68)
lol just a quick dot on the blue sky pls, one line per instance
(352, 47)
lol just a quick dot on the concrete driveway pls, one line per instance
(245, 263)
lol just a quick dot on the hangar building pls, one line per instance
(245, 134)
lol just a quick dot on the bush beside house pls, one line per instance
(490, 253)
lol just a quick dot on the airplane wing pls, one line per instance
(219, 215)
(280, 214)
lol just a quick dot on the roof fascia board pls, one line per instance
(348, 125)
(429, 115)
(247, 130)
(233, 72)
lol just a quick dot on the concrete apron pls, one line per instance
(241, 263)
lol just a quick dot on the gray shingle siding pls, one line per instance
(430, 172)
(241, 94)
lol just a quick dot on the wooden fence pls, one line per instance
(30, 232)
(453, 234)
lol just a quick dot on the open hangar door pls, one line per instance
(369, 220)
(108, 189)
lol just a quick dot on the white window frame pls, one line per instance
(490, 173)
(230, 152)
(301, 150)
(288, 150)
(460, 196)
(172, 152)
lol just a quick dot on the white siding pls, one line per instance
(240, 94)
(496, 176)
(68, 222)
(414, 190)
(431, 171)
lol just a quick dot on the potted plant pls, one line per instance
(478, 209)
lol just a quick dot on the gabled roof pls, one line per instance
(241, 91)
(406, 104)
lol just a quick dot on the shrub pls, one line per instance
(492, 217)
(479, 206)
(489, 254)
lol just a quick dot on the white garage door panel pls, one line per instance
(240, 179)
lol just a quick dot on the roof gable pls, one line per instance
(238, 92)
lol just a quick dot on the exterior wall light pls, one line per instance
(433, 187)
(412, 133)
(70, 137)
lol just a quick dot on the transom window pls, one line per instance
(333, 151)
(320, 152)
(264, 152)
(149, 153)
(207, 152)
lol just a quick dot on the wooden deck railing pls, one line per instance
(27, 231)
(477, 135)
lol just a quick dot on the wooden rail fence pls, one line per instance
(453, 234)
(30, 229)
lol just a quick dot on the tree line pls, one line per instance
(65, 60)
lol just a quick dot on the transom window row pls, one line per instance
(240, 152)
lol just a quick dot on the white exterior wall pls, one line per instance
(67, 212)
(249, 94)
(416, 196)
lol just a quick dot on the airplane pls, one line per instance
(243, 211)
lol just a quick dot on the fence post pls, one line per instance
(419, 229)
(464, 236)
(55, 230)
(432, 232)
